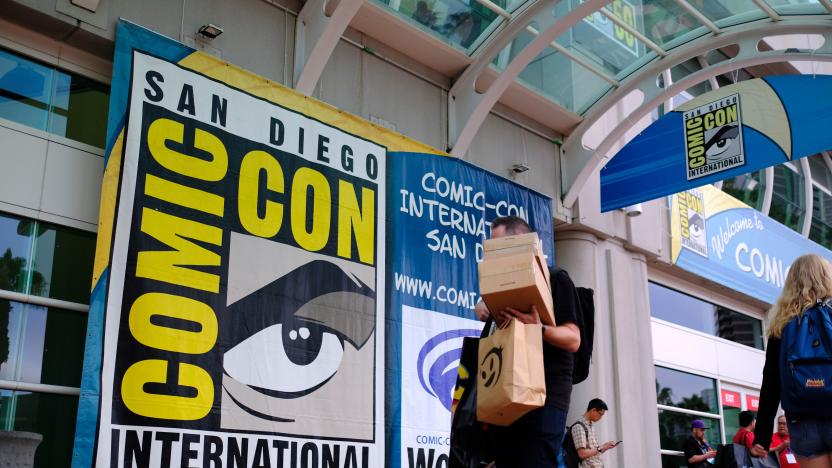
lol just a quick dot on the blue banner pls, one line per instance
(734, 130)
(439, 212)
(717, 237)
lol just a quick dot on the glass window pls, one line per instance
(676, 389)
(747, 188)
(739, 328)
(79, 109)
(63, 263)
(690, 312)
(59, 265)
(684, 390)
(11, 319)
(52, 416)
(674, 429)
(820, 172)
(41, 97)
(731, 417)
(681, 309)
(460, 23)
(15, 246)
(40, 345)
(787, 197)
(25, 87)
(821, 231)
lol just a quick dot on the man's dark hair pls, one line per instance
(746, 418)
(596, 404)
(513, 224)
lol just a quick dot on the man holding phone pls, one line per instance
(583, 434)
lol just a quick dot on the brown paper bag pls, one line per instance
(510, 380)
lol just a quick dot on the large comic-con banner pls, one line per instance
(439, 212)
(716, 236)
(240, 311)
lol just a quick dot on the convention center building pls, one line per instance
(515, 107)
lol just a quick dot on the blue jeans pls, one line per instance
(532, 441)
(810, 437)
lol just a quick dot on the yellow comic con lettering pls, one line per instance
(695, 137)
(358, 220)
(249, 188)
(171, 266)
(168, 338)
(163, 130)
(320, 213)
(154, 405)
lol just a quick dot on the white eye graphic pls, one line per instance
(293, 362)
(720, 146)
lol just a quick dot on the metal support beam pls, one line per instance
(316, 36)
(768, 10)
(467, 108)
(703, 63)
(698, 15)
(809, 199)
(579, 163)
(827, 4)
(768, 190)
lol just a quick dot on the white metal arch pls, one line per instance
(468, 108)
(316, 36)
(579, 163)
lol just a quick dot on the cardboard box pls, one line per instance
(516, 281)
(528, 244)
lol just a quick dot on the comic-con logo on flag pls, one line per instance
(692, 221)
(713, 137)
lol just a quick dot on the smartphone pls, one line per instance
(616, 444)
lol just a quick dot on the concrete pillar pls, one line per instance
(622, 372)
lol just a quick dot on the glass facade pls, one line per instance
(787, 200)
(676, 389)
(41, 344)
(747, 188)
(52, 100)
(690, 312)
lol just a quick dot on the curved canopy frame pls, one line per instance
(579, 162)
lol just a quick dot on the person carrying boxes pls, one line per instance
(520, 289)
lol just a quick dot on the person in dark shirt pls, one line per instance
(534, 440)
(809, 279)
(697, 450)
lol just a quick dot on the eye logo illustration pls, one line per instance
(301, 340)
(696, 225)
(491, 367)
(722, 142)
(438, 362)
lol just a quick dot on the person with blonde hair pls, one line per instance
(808, 284)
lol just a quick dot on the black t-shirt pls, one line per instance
(557, 362)
(694, 447)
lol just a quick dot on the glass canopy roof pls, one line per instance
(599, 51)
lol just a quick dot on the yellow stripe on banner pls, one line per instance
(274, 92)
(717, 201)
(107, 208)
(675, 229)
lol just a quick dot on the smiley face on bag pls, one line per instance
(491, 367)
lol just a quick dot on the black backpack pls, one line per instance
(586, 324)
(570, 452)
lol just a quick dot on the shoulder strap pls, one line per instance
(486, 330)
(586, 431)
